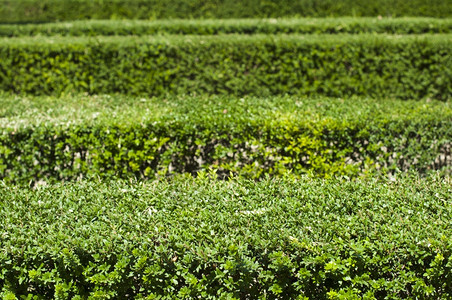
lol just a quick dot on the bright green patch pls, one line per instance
(272, 239)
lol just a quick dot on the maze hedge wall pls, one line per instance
(231, 138)
(17, 11)
(228, 26)
(341, 65)
(235, 239)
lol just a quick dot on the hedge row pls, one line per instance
(339, 65)
(16, 11)
(243, 137)
(242, 26)
(187, 239)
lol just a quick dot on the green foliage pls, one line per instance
(253, 137)
(236, 239)
(228, 26)
(17, 11)
(340, 65)
(366, 231)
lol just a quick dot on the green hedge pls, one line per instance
(353, 138)
(339, 65)
(16, 11)
(187, 239)
(242, 26)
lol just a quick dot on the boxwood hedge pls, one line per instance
(145, 138)
(17, 11)
(228, 26)
(236, 239)
(340, 65)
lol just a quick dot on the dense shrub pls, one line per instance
(273, 239)
(341, 65)
(15, 11)
(324, 137)
(241, 26)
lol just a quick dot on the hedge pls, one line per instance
(236, 239)
(242, 26)
(339, 65)
(231, 136)
(21, 11)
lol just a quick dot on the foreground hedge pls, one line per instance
(242, 26)
(340, 65)
(251, 137)
(16, 11)
(273, 239)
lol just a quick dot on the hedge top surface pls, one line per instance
(19, 112)
(109, 217)
(326, 39)
(284, 238)
(208, 219)
(407, 25)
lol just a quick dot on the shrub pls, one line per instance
(236, 239)
(253, 137)
(410, 67)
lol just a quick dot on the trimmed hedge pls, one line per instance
(339, 65)
(321, 137)
(186, 239)
(242, 26)
(16, 11)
